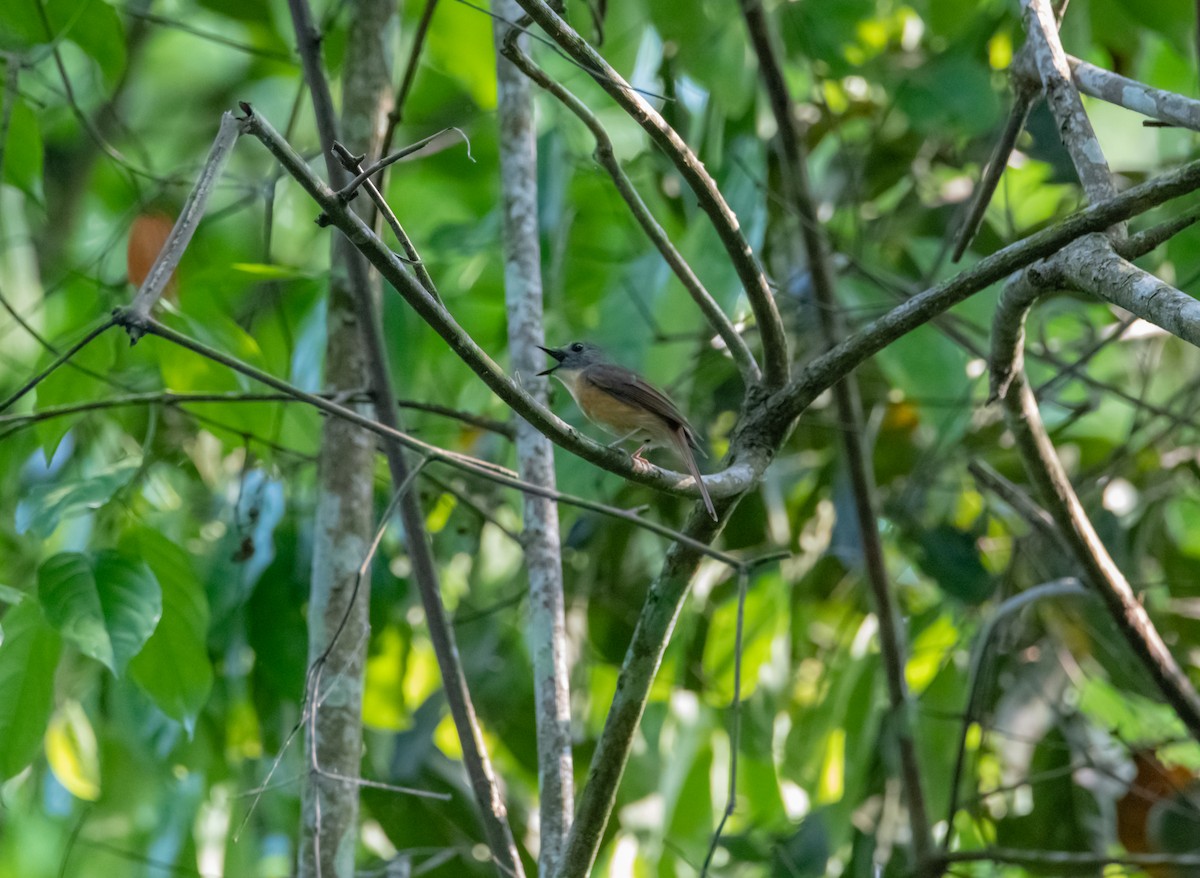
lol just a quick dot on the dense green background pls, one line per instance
(154, 558)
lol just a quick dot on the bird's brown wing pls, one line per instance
(629, 387)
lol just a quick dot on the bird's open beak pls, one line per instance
(557, 354)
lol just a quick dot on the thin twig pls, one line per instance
(64, 357)
(189, 217)
(1024, 97)
(353, 164)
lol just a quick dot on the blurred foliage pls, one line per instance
(154, 556)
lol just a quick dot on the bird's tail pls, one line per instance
(685, 451)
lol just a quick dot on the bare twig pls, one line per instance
(1024, 97)
(353, 164)
(189, 218)
(64, 357)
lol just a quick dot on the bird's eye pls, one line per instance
(577, 347)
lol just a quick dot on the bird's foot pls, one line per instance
(640, 464)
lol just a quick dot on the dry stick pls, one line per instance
(353, 164)
(396, 116)
(1046, 472)
(1024, 97)
(365, 174)
(535, 453)
(606, 158)
(171, 398)
(798, 191)
(189, 218)
(708, 196)
(730, 482)
(1025, 507)
(493, 813)
(66, 355)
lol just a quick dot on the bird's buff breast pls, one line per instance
(606, 411)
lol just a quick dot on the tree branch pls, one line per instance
(535, 454)
(729, 482)
(823, 372)
(1047, 473)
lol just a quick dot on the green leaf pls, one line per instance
(95, 27)
(28, 659)
(460, 44)
(107, 605)
(132, 601)
(951, 557)
(173, 668)
(47, 504)
(92, 25)
(23, 151)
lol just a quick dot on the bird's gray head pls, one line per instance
(575, 356)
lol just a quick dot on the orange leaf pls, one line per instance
(147, 236)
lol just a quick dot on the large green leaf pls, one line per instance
(92, 25)
(28, 660)
(45, 505)
(105, 604)
(173, 667)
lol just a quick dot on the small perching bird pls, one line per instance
(625, 404)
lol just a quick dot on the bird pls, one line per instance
(626, 405)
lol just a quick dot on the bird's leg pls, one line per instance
(624, 438)
(640, 464)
